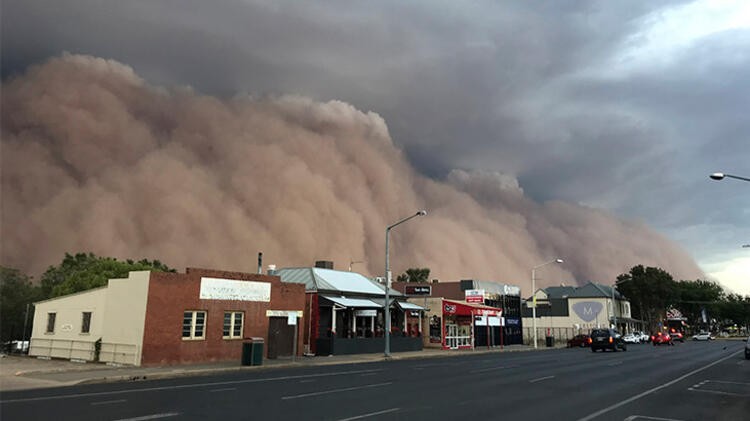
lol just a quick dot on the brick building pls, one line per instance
(154, 318)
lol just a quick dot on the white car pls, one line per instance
(642, 337)
(631, 339)
(703, 336)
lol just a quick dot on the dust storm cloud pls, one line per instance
(96, 159)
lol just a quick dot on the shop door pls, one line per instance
(280, 337)
(451, 336)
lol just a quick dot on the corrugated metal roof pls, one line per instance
(409, 306)
(352, 302)
(329, 280)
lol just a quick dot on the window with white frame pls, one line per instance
(233, 324)
(51, 322)
(85, 322)
(194, 324)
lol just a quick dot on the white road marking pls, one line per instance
(541, 378)
(151, 417)
(223, 390)
(643, 417)
(185, 386)
(717, 392)
(650, 391)
(346, 389)
(371, 414)
(726, 382)
(108, 402)
(494, 368)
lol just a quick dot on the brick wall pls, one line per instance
(170, 294)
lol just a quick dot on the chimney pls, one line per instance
(260, 262)
(324, 264)
(271, 270)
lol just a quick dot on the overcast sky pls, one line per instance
(626, 106)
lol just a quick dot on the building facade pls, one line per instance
(156, 318)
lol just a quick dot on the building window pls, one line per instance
(233, 324)
(51, 322)
(193, 325)
(86, 322)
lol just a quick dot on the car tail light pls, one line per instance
(652, 337)
(610, 339)
(589, 340)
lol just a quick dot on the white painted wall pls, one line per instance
(67, 341)
(125, 319)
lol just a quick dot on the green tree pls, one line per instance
(694, 296)
(735, 309)
(650, 289)
(416, 275)
(16, 291)
(84, 271)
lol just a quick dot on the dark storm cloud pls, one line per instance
(529, 89)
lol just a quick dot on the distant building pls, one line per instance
(153, 318)
(579, 309)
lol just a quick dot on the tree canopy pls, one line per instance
(415, 275)
(84, 271)
(16, 291)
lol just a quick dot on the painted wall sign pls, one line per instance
(282, 313)
(587, 310)
(229, 289)
(449, 308)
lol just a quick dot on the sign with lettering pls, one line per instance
(283, 313)
(449, 308)
(230, 289)
(511, 290)
(474, 296)
(587, 310)
(365, 313)
(418, 289)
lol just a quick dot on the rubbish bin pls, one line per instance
(252, 351)
(550, 341)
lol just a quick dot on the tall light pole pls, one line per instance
(533, 292)
(388, 282)
(720, 176)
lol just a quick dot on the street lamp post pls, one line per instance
(720, 176)
(533, 292)
(388, 282)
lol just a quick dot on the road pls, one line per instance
(690, 381)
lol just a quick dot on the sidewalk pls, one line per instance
(21, 372)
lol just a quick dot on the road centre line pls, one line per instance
(652, 390)
(494, 368)
(371, 414)
(108, 402)
(346, 389)
(643, 417)
(541, 378)
(186, 386)
(151, 417)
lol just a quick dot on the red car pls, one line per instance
(579, 341)
(661, 339)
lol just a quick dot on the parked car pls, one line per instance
(661, 338)
(747, 349)
(607, 339)
(631, 338)
(579, 341)
(644, 337)
(702, 336)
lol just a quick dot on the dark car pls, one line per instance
(660, 338)
(747, 349)
(677, 336)
(607, 339)
(579, 341)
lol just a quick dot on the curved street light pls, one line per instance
(388, 282)
(533, 292)
(720, 176)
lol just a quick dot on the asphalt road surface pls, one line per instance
(690, 381)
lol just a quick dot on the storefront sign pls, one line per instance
(418, 289)
(513, 321)
(449, 308)
(282, 313)
(495, 321)
(229, 289)
(480, 320)
(291, 319)
(474, 296)
(365, 313)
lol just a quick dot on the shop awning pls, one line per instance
(469, 309)
(352, 302)
(409, 306)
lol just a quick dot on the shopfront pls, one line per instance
(467, 325)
